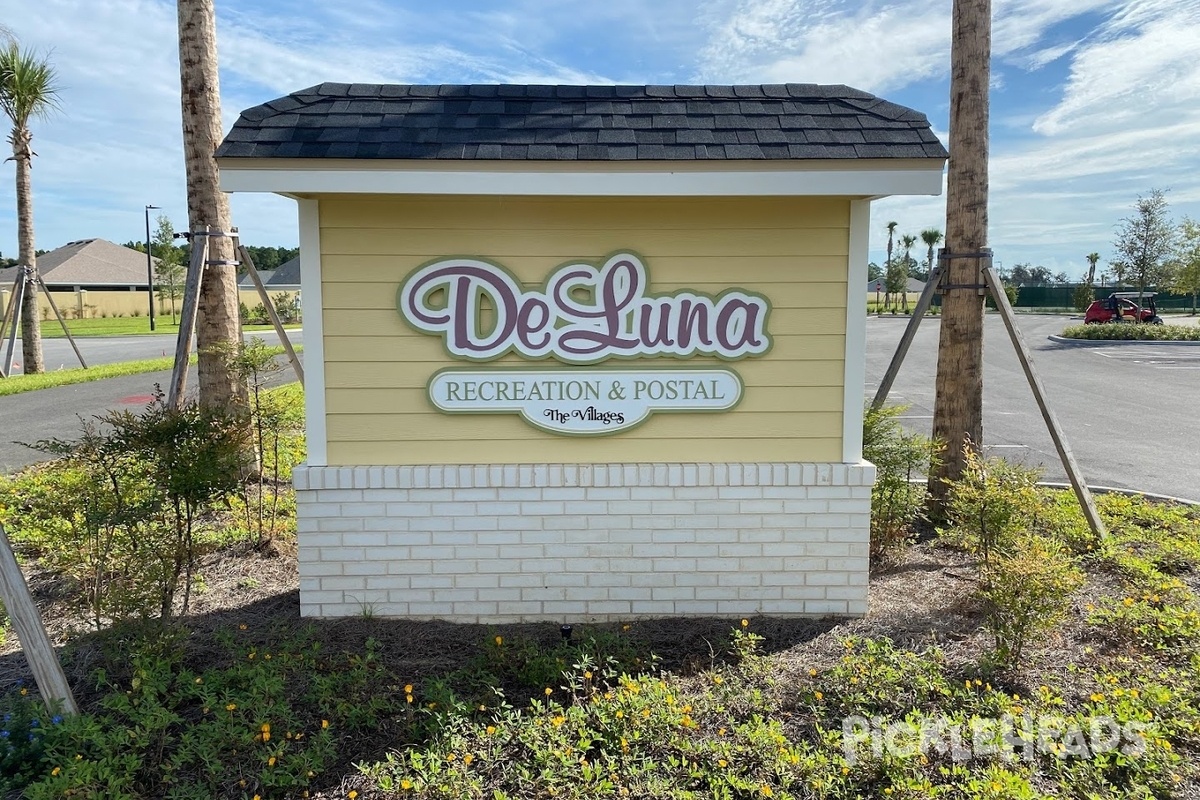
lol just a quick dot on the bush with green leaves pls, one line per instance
(1129, 331)
(898, 497)
(1026, 588)
(1082, 297)
(1026, 575)
(266, 721)
(120, 511)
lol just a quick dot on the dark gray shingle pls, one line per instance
(589, 123)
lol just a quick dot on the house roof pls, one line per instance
(581, 123)
(89, 262)
(286, 274)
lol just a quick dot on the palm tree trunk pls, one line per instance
(958, 404)
(31, 323)
(218, 322)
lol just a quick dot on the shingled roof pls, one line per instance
(581, 123)
(89, 262)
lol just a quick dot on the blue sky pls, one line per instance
(1093, 102)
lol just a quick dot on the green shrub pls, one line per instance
(1082, 297)
(1026, 588)
(267, 723)
(1128, 331)
(120, 510)
(22, 738)
(897, 501)
(991, 504)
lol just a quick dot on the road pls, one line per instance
(59, 412)
(1128, 410)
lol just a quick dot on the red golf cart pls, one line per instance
(1123, 307)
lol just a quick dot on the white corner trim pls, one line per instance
(856, 331)
(314, 331)
(649, 183)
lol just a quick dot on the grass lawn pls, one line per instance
(16, 384)
(123, 326)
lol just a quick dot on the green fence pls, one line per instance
(1063, 297)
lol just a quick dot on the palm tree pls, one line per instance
(958, 393)
(907, 241)
(932, 237)
(27, 90)
(891, 228)
(218, 323)
(1092, 259)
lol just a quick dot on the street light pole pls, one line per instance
(149, 269)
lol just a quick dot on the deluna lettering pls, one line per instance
(583, 315)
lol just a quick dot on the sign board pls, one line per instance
(581, 316)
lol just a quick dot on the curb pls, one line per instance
(1110, 342)
(1162, 498)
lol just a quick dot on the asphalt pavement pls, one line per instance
(1128, 411)
(61, 411)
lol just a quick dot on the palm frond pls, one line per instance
(28, 85)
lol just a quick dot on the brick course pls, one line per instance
(584, 543)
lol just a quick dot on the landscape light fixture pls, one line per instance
(149, 268)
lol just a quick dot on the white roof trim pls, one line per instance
(790, 182)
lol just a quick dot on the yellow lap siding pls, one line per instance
(793, 251)
(611, 450)
(566, 213)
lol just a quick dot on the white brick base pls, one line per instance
(584, 542)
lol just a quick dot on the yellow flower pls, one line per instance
(78, 757)
(324, 724)
(199, 680)
(646, 713)
(549, 691)
(408, 698)
(559, 720)
(242, 627)
(24, 692)
(888, 790)
(996, 786)
(624, 627)
(271, 761)
(266, 737)
(845, 770)
(266, 727)
(405, 784)
(1097, 697)
(765, 790)
(491, 729)
(352, 794)
(250, 656)
(717, 679)
(620, 715)
(408, 688)
(468, 758)
(231, 707)
(499, 641)
(55, 771)
(1128, 601)
(812, 672)
(587, 675)
(624, 743)
(722, 763)
(451, 757)
(745, 623)
(256, 797)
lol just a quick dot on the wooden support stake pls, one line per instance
(11, 308)
(18, 298)
(269, 305)
(27, 621)
(910, 331)
(187, 318)
(61, 321)
(1074, 474)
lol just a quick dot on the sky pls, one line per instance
(1094, 102)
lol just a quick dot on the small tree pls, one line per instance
(1145, 244)
(1092, 259)
(170, 274)
(1187, 262)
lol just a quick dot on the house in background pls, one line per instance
(286, 278)
(90, 277)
